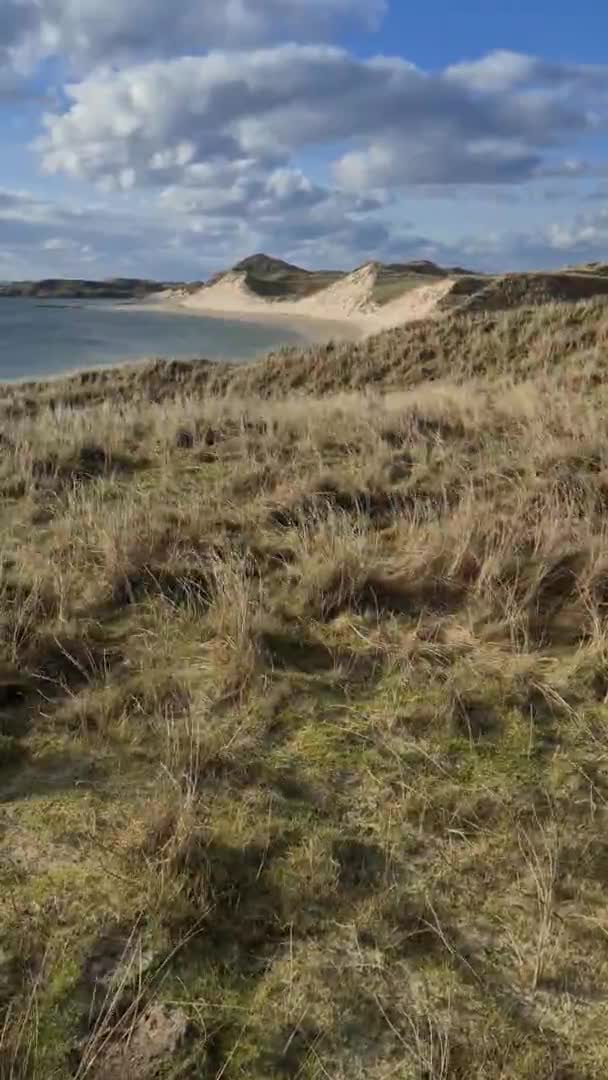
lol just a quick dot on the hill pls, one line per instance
(376, 296)
(501, 292)
(595, 268)
(268, 266)
(303, 710)
(65, 288)
(274, 279)
(425, 266)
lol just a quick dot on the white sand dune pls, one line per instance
(348, 302)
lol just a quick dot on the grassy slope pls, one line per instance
(303, 721)
(275, 279)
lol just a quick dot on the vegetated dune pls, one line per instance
(598, 269)
(355, 295)
(351, 297)
(276, 279)
(517, 290)
(375, 297)
(304, 711)
(517, 343)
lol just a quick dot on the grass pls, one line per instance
(390, 285)
(564, 341)
(303, 712)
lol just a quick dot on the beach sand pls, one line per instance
(310, 328)
(345, 311)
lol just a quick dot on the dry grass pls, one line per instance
(303, 713)
(564, 341)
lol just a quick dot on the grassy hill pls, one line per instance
(278, 280)
(65, 288)
(505, 291)
(395, 279)
(303, 711)
(275, 279)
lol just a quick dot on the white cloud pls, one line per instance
(86, 32)
(218, 141)
(565, 242)
(496, 72)
(248, 142)
(502, 70)
(32, 225)
(400, 161)
(587, 232)
(160, 122)
(20, 206)
(17, 22)
(176, 237)
(176, 240)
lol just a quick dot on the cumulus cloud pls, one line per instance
(162, 121)
(494, 120)
(203, 157)
(498, 71)
(16, 22)
(53, 237)
(587, 233)
(85, 32)
(172, 236)
(23, 208)
(567, 241)
(401, 161)
(283, 212)
(218, 141)
(258, 105)
(503, 69)
(170, 239)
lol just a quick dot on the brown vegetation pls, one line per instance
(303, 712)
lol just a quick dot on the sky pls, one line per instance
(169, 140)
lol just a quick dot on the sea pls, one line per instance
(41, 338)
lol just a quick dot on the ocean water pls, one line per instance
(39, 338)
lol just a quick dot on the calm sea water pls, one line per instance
(46, 337)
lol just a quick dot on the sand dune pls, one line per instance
(349, 301)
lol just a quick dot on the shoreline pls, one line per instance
(349, 310)
(94, 369)
(310, 330)
(313, 329)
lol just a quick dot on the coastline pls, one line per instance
(275, 330)
(348, 310)
(313, 329)
(94, 369)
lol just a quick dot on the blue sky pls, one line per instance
(441, 33)
(171, 140)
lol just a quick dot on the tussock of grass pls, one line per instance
(303, 712)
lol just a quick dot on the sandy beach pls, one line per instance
(310, 328)
(345, 311)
